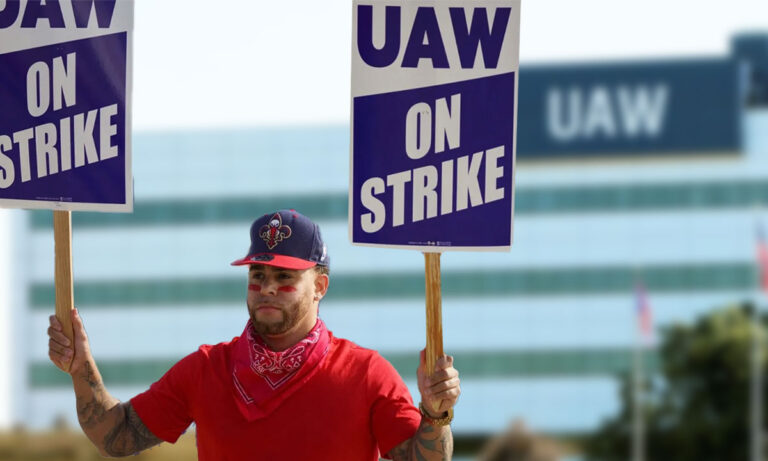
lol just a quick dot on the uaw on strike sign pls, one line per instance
(65, 83)
(434, 102)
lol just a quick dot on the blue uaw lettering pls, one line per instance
(58, 147)
(51, 12)
(472, 180)
(600, 111)
(468, 40)
(425, 40)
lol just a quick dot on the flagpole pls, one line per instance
(642, 327)
(638, 426)
(756, 384)
(756, 369)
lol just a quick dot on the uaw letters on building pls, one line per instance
(64, 104)
(434, 98)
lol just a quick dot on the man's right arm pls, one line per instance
(113, 426)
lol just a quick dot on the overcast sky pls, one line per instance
(244, 63)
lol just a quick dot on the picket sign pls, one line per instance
(433, 132)
(65, 127)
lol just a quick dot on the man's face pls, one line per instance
(279, 299)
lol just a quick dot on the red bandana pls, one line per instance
(264, 378)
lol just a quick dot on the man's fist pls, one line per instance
(440, 391)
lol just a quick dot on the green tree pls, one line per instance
(696, 407)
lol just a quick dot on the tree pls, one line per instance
(697, 407)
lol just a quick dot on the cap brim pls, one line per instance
(269, 259)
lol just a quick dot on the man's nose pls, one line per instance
(268, 286)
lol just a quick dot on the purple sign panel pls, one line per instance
(433, 166)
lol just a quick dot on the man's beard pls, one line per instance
(290, 319)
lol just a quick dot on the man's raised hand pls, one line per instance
(440, 391)
(62, 351)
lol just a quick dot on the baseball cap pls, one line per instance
(285, 239)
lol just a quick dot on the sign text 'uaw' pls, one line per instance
(434, 99)
(65, 82)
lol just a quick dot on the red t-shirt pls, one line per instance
(354, 408)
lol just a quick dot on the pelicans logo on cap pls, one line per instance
(274, 231)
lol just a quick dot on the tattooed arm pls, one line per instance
(112, 426)
(439, 391)
(431, 443)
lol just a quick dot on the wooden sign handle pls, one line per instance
(434, 312)
(62, 237)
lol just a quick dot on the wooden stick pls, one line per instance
(434, 312)
(62, 236)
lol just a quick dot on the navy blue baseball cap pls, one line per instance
(285, 239)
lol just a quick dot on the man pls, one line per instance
(286, 389)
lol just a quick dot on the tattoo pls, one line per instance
(401, 452)
(446, 445)
(90, 376)
(92, 412)
(429, 444)
(130, 435)
(100, 413)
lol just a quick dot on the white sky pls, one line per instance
(244, 63)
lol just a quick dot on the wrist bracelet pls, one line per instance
(442, 421)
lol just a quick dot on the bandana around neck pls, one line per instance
(264, 378)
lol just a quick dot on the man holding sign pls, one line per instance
(285, 389)
(65, 124)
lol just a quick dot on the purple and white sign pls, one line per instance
(434, 111)
(65, 87)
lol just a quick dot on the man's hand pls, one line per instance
(440, 391)
(60, 348)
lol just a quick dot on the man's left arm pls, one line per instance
(439, 392)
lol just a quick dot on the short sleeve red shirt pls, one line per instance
(354, 408)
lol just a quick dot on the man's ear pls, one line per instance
(321, 285)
